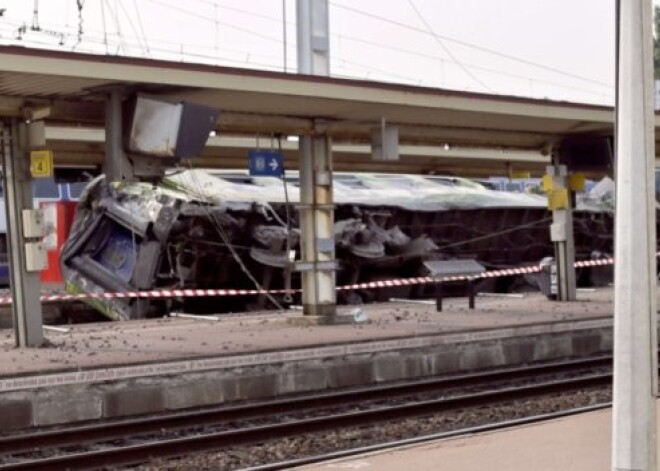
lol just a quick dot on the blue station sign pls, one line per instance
(265, 163)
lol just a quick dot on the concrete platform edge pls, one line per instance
(79, 396)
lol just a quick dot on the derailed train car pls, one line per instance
(197, 229)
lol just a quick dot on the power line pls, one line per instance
(130, 23)
(115, 15)
(447, 50)
(406, 51)
(139, 20)
(205, 18)
(466, 64)
(470, 45)
(124, 44)
(105, 32)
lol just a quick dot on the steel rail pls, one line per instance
(120, 429)
(391, 446)
(133, 454)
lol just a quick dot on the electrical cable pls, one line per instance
(130, 23)
(406, 51)
(469, 241)
(469, 45)
(105, 32)
(205, 18)
(227, 240)
(115, 13)
(143, 44)
(139, 20)
(446, 48)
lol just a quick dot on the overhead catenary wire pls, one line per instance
(105, 32)
(206, 18)
(193, 54)
(115, 15)
(139, 21)
(392, 47)
(470, 45)
(446, 48)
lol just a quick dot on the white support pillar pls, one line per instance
(561, 233)
(313, 37)
(316, 204)
(17, 140)
(317, 225)
(635, 336)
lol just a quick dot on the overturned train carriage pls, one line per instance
(197, 229)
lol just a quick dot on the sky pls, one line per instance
(558, 49)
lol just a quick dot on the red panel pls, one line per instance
(59, 216)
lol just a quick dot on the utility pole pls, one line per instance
(635, 335)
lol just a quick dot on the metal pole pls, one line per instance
(116, 166)
(25, 286)
(316, 210)
(313, 37)
(561, 233)
(635, 336)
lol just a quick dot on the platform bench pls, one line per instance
(443, 268)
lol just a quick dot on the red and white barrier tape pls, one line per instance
(179, 293)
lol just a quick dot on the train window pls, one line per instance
(295, 181)
(349, 180)
(237, 179)
(515, 186)
(443, 181)
(76, 189)
(45, 188)
(400, 181)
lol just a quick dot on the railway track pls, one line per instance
(134, 441)
(288, 464)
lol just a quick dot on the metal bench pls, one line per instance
(443, 268)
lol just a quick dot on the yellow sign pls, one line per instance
(576, 182)
(41, 163)
(557, 199)
(546, 183)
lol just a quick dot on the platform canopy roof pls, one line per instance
(73, 87)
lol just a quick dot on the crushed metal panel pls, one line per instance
(187, 231)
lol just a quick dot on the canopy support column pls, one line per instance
(17, 141)
(634, 443)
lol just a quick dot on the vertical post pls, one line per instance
(116, 166)
(313, 37)
(25, 286)
(635, 336)
(316, 202)
(561, 232)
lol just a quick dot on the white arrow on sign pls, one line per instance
(273, 164)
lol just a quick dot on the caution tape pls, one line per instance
(183, 293)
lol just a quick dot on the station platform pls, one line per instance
(109, 370)
(576, 443)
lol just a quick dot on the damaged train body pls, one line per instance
(200, 229)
